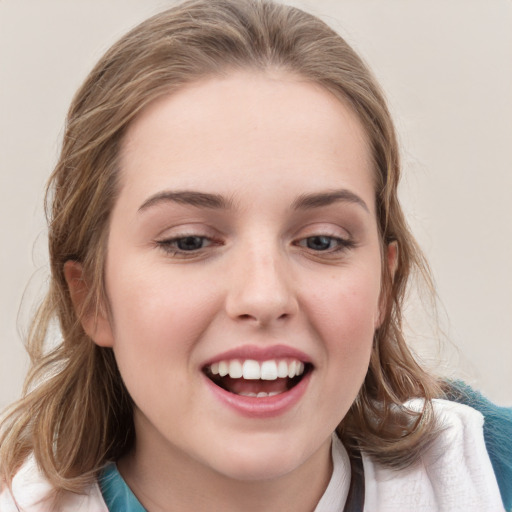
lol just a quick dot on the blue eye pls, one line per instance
(324, 243)
(184, 244)
(190, 243)
(320, 243)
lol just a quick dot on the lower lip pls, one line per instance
(265, 406)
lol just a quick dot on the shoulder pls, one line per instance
(454, 473)
(31, 492)
(497, 433)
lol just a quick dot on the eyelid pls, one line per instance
(343, 244)
(184, 229)
(166, 245)
(166, 240)
(319, 228)
(344, 241)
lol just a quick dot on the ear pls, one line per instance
(391, 259)
(95, 321)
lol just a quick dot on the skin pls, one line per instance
(260, 141)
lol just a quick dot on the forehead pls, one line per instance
(257, 129)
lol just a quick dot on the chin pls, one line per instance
(260, 458)
(258, 469)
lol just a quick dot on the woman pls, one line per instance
(229, 260)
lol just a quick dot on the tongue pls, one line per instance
(239, 386)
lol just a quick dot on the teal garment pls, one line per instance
(497, 434)
(117, 495)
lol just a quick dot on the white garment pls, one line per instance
(31, 493)
(454, 475)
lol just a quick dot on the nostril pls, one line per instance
(247, 316)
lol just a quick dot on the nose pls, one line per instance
(261, 290)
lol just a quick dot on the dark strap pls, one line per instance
(355, 498)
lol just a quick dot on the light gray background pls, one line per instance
(446, 66)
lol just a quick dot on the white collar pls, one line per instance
(336, 493)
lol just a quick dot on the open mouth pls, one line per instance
(258, 379)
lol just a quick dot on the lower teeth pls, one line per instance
(231, 385)
(260, 394)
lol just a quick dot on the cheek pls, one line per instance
(345, 315)
(156, 318)
(350, 300)
(342, 316)
(152, 300)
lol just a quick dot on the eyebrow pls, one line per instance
(216, 201)
(187, 197)
(320, 199)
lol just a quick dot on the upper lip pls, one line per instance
(259, 353)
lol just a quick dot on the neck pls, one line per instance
(169, 479)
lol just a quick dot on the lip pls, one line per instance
(263, 407)
(258, 353)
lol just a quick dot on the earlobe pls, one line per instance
(95, 321)
(391, 260)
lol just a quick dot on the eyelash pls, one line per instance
(171, 246)
(342, 244)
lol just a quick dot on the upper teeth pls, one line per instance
(252, 370)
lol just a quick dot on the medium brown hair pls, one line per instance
(76, 413)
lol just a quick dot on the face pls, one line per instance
(243, 273)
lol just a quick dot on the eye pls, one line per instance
(325, 243)
(185, 245)
(319, 243)
(190, 243)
